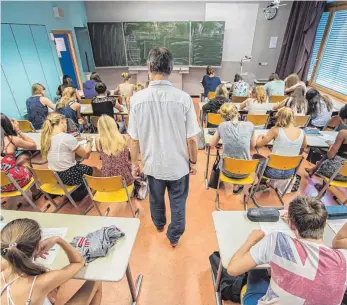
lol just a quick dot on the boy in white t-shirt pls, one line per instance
(303, 270)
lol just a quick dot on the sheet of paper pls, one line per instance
(279, 226)
(327, 137)
(273, 42)
(53, 252)
(60, 44)
(336, 224)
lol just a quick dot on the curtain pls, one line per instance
(299, 38)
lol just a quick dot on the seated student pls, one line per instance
(37, 105)
(240, 87)
(343, 119)
(25, 282)
(60, 148)
(13, 138)
(275, 86)
(288, 140)
(102, 104)
(210, 82)
(292, 82)
(70, 108)
(138, 87)
(237, 136)
(222, 96)
(297, 102)
(303, 269)
(67, 82)
(126, 89)
(258, 102)
(89, 85)
(319, 108)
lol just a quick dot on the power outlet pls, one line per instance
(263, 64)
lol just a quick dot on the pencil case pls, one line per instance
(263, 215)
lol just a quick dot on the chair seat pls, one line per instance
(55, 189)
(336, 183)
(118, 196)
(244, 181)
(18, 193)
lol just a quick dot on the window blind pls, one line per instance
(317, 42)
(332, 70)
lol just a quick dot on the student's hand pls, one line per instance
(44, 246)
(80, 121)
(135, 171)
(255, 237)
(330, 143)
(193, 169)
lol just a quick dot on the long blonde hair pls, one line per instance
(229, 112)
(284, 117)
(221, 90)
(259, 93)
(112, 142)
(52, 120)
(69, 94)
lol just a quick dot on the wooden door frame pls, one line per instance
(73, 55)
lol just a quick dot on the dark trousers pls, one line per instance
(178, 192)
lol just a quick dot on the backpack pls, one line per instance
(230, 286)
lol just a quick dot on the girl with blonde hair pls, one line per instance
(25, 282)
(70, 108)
(258, 102)
(237, 136)
(60, 148)
(222, 97)
(37, 105)
(288, 140)
(139, 87)
(126, 89)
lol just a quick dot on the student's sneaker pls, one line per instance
(173, 245)
(161, 229)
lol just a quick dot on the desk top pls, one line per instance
(312, 140)
(36, 136)
(110, 268)
(233, 228)
(86, 109)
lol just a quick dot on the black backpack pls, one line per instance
(230, 286)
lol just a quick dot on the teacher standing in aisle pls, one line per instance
(163, 124)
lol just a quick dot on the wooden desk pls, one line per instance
(231, 239)
(111, 268)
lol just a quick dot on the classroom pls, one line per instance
(173, 152)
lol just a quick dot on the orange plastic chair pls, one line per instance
(26, 126)
(301, 120)
(214, 119)
(211, 95)
(258, 119)
(238, 99)
(277, 98)
(85, 101)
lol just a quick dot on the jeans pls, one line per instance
(178, 192)
(257, 285)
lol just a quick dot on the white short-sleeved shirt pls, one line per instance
(302, 272)
(61, 155)
(162, 117)
(254, 107)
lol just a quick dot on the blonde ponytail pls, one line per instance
(126, 76)
(53, 119)
(69, 94)
(261, 95)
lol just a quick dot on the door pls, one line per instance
(67, 57)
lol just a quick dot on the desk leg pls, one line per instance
(216, 284)
(207, 164)
(134, 289)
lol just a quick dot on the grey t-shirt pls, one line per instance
(236, 139)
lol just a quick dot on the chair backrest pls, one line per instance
(104, 184)
(44, 176)
(25, 126)
(343, 170)
(214, 118)
(301, 120)
(333, 123)
(86, 101)
(238, 99)
(277, 98)
(258, 119)
(94, 120)
(239, 166)
(4, 179)
(211, 95)
(284, 162)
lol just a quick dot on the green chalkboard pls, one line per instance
(140, 37)
(207, 43)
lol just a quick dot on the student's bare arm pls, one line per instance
(193, 149)
(243, 104)
(134, 152)
(267, 138)
(340, 240)
(23, 141)
(242, 260)
(215, 139)
(253, 141)
(336, 146)
(47, 102)
(84, 152)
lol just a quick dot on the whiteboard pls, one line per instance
(240, 20)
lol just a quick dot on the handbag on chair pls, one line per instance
(214, 177)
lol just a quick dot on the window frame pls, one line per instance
(332, 8)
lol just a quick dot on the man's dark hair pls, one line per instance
(160, 61)
(343, 113)
(309, 216)
(100, 88)
(237, 77)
